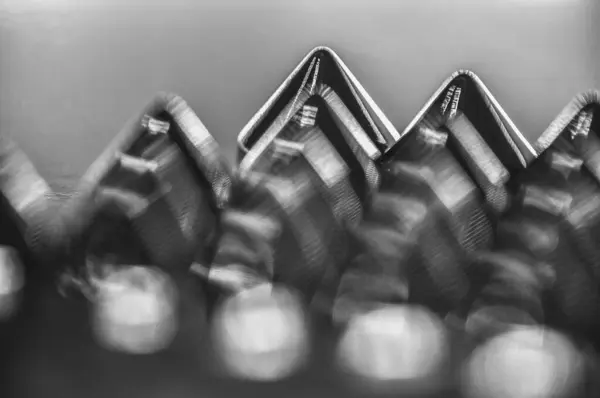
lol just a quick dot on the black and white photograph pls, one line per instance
(303, 199)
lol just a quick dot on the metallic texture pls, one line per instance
(380, 128)
(176, 175)
(510, 132)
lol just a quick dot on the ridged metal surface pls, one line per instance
(565, 118)
(180, 194)
(510, 132)
(381, 129)
(437, 274)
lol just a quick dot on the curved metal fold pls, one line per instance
(377, 125)
(513, 136)
(566, 117)
(166, 165)
(191, 136)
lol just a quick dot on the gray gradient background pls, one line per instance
(73, 71)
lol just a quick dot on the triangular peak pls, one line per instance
(581, 115)
(169, 114)
(321, 66)
(465, 91)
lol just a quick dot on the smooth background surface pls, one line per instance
(72, 71)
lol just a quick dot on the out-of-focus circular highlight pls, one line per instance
(135, 310)
(395, 346)
(527, 362)
(12, 281)
(261, 334)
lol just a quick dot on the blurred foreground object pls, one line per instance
(385, 251)
(153, 198)
(444, 185)
(144, 212)
(162, 181)
(135, 310)
(509, 291)
(29, 206)
(261, 333)
(306, 171)
(402, 347)
(527, 362)
(30, 236)
(12, 280)
(310, 152)
(559, 220)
